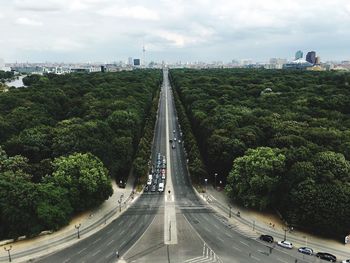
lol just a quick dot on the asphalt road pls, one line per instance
(203, 235)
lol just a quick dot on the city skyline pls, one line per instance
(106, 30)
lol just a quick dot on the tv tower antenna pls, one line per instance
(143, 55)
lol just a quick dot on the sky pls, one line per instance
(172, 30)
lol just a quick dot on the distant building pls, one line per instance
(297, 64)
(299, 54)
(318, 60)
(130, 61)
(2, 64)
(137, 62)
(276, 63)
(311, 57)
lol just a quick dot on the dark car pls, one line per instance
(306, 250)
(266, 238)
(146, 188)
(326, 256)
(153, 188)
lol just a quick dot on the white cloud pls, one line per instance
(132, 12)
(116, 29)
(39, 6)
(24, 21)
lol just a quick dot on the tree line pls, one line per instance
(61, 140)
(278, 139)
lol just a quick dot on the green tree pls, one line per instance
(85, 178)
(255, 176)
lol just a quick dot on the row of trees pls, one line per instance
(280, 139)
(71, 133)
(5, 76)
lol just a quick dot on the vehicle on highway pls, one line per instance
(306, 250)
(153, 188)
(174, 139)
(149, 181)
(173, 146)
(285, 244)
(173, 131)
(266, 238)
(179, 141)
(346, 261)
(326, 256)
(161, 187)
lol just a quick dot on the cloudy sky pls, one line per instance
(172, 30)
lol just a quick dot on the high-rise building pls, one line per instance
(318, 60)
(299, 54)
(311, 57)
(137, 62)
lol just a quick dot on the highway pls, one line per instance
(202, 235)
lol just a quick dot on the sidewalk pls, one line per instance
(90, 222)
(252, 224)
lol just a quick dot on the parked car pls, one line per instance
(326, 256)
(149, 182)
(266, 238)
(306, 250)
(285, 244)
(161, 187)
(146, 188)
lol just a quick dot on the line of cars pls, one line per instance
(304, 250)
(157, 176)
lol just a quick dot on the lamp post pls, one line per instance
(77, 228)
(285, 229)
(216, 174)
(8, 251)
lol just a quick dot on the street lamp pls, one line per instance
(216, 174)
(285, 229)
(77, 228)
(8, 251)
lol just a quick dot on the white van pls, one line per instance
(161, 187)
(149, 182)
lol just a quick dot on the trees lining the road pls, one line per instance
(280, 139)
(62, 138)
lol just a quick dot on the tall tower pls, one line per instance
(143, 55)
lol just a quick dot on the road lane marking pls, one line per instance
(81, 250)
(96, 240)
(221, 239)
(110, 242)
(238, 249)
(282, 260)
(244, 243)
(110, 231)
(123, 243)
(228, 235)
(257, 259)
(98, 251)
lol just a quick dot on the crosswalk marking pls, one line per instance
(208, 256)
